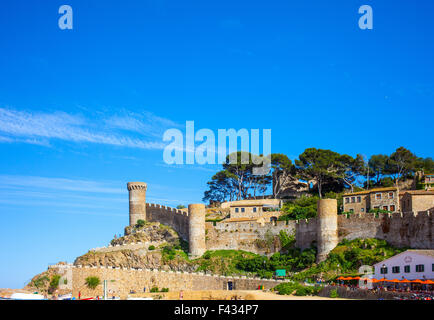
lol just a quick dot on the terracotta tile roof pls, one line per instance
(419, 192)
(239, 219)
(428, 253)
(371, 191)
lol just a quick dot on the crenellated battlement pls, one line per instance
(408, 229)
(166, 209)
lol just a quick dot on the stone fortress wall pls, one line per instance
(120, 281)
(172, 217)
(408, 229)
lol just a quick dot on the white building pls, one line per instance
(410, 265)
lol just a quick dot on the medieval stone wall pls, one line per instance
(120, 281)
(172, 217)
(243, 235)
(414, 230)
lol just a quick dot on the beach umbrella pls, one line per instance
(356, 278)
(340, 278)
(417, 281)
(393, 280)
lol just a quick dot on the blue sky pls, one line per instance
(83, 111)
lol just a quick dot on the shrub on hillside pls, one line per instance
(140, 223)
(92, 282)
(334, 293)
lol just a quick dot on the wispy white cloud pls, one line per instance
(78, 185)
(71, 193)
(40, 128)
(145, 123)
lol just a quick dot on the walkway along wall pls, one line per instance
(121, 280)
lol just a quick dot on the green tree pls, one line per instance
(283, 172)
(401, 162)
(378, 166)
(319, 164)
(181, 206)
(350, 168)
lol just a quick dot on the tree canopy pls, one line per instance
(324, 170)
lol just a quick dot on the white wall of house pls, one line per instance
(407, 258)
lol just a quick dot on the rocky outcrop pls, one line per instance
(161, 248)
(135, 259)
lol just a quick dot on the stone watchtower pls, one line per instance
(137, 192)
(327, 227)
(196, 230)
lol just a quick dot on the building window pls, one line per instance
(254, 209)
(407, 269)
(353, 199)
(347, 200)
(420, 268)
(359, 199)
(242, 209)
(385, 208)
(363, 209)
(392, 208)
(391, 195)
(383, 270)
(236, 210)
(351, 210)
(433, 267)
(378, 196)
(395, 269)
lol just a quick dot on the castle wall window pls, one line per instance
(420, 268)
(392, 208)
(359, 199)
(254, 209)
(353, 199)
(236, 210)
(347, 200)
(395, 269)
(391, 195)
(407, 269)
(243, 210)
(362, 209)
(378, 196)
(385, 208)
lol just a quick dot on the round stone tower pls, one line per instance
(137, 191)
(327, 227)
(196, 230)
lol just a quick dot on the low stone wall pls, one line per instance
(348, 293)
(122, 280)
